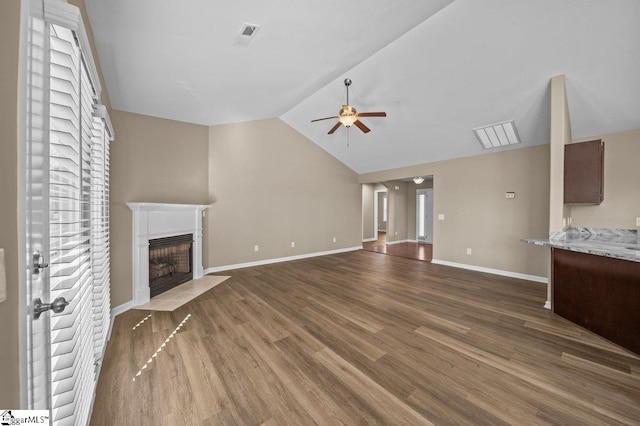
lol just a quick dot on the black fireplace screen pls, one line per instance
(170, 261)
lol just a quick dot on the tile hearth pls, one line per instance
(178, 296)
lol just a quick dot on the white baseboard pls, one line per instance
(278, 260)
(120, 309)
(389, 243)
(368, 240)
(547, 304)
(535, 278)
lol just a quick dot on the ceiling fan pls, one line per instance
(349, 116)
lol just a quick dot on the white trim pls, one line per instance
(430, 215)
(400, 241)
(118, 310)
(368, 240)
(547, 304)
(100, 111)
(278, 260)
(69, 16)
(535, 278)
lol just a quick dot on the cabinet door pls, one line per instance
(584, 173)
(601, 294)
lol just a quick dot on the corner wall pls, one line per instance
(153, 160)
(271, 186)
(368, 216)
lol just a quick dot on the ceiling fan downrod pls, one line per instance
(347, 83)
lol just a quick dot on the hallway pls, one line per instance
(410, 250)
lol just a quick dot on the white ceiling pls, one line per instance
(438, 68)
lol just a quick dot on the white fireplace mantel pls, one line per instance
(159, 220)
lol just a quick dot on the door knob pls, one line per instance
(56, 306)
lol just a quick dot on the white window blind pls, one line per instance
(78, 230)
(100, 233)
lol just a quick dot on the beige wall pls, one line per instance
(470, 193)
(153, 160)
(367, 211)
(560, 135)
(272, 186)
(397, 227)
(382, 224)
(9, 48)
(621, 203)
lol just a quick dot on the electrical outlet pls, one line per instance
(440, 216)
(396, 234)
(293, 244)
(468, 251)
(334, 239)
(510, 195)
(256, 248)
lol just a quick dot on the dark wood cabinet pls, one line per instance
(601, 294)
(584, 172)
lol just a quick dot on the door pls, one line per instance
(424, 215)
(35, 166)
(66, 224)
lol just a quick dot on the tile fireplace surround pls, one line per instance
(159, 220)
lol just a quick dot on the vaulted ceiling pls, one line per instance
(438, 68)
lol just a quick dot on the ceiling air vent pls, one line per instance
(497, 135)
(246, 34)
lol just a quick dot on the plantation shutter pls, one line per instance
(77, 177)
(70, 117)
(100, 230)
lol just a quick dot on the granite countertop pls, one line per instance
(617, 243)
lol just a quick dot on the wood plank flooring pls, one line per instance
(363, 338)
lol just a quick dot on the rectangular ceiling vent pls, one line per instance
(497, 135)
(246, 34)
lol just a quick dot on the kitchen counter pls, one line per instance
(616, 243)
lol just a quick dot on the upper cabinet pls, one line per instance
(584, 172)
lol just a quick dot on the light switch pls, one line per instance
(440, 216)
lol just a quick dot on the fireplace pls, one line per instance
(158, 221)
(170, 261)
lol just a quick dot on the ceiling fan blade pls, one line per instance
(334, 128)
(326, 118)
(361, 126)
(372, 114)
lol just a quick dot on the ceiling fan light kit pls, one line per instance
(348, 116)
(418, 180)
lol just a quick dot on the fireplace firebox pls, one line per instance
(170, 261)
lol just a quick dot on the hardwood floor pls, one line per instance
(417, 251)
(363, 338)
